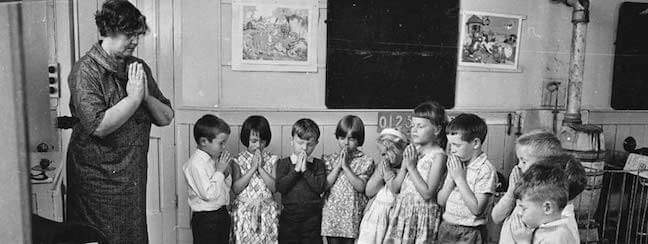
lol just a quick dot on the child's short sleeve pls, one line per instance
(366, 168)
(273, 160)
(270, 161)
(329, 160)
(486, 179)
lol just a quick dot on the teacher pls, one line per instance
(115, 98)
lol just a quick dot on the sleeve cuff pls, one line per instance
(92, 126)
(486, 191)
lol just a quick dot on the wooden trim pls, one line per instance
(188, 115)
(322, 4)
(16, 193)
(176, 8)
(618, 117)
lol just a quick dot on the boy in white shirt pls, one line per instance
(513, 230)
(208, 181)
(541, 197)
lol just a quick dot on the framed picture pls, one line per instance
(637, 164)
(275, 35)
(489, 40)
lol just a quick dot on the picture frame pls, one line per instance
(637, 164)
(278, 35)
(489, 41)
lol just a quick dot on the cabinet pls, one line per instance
(47, 195)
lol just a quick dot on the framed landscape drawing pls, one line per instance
(274, 35)
(489, 40)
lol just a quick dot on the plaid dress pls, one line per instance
(255, 214)
(413, 219)
(343, 206)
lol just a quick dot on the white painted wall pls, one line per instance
(35, 45)
(204, 77)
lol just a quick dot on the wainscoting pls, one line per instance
(618, 125)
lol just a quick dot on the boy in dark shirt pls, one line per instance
(301, 179)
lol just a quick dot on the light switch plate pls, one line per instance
(54, 80)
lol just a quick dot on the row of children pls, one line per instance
(419, 192)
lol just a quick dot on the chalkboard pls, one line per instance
(630, 78)
(391, 54)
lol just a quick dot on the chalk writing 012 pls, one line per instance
(401, 121)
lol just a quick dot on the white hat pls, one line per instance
(394, 132)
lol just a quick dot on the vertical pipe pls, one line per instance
(631, 212)
(580, 18)
(643, 231)
(621, 202)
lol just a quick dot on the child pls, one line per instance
(416, 215)
(576, 180)
(348, 172)
(391, 144)
(469, 184)
(256, 214)
(532, 147)
(301, 179)
(208, 181)
(529, 148)
(542, 195)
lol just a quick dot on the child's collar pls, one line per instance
(250, 154)
(202, 153)
(427, 151)
(477, 161)
(293, 158)
(560, 221)
(356, 153)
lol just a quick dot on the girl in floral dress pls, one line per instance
(348, 172)
(255, 213)
(391, 144)
(416, 216)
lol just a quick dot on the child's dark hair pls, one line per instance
(208, 126)
(469, 126)
(351, 125)
(306, 129)
(543, 182)
(435, 113)
(258, 124)
(120, 17)
(574, 171)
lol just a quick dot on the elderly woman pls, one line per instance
(115, 98)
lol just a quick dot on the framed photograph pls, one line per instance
(489, 40)
(275, 35)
